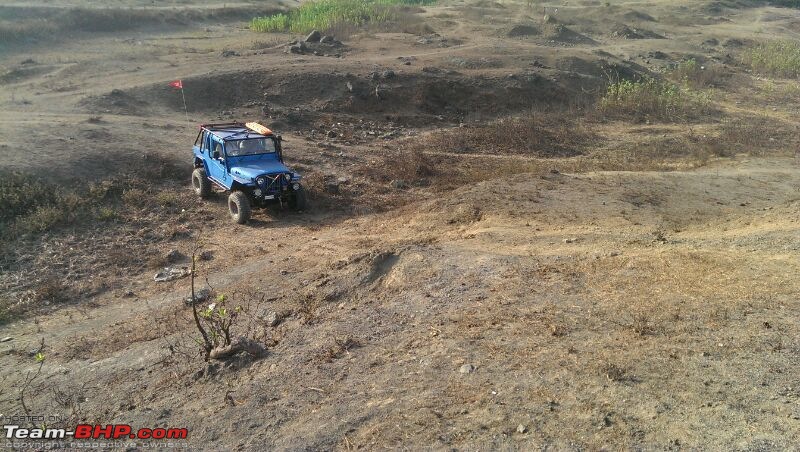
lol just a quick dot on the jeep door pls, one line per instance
(217, 169)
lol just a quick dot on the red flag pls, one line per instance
(177, 84)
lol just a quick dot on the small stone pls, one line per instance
(570, 240)
(388, 74)
(314, 36)
(273, 319)
(327, 39)
(206, 255)
(467, 369)
(521, 429)
(6, 339)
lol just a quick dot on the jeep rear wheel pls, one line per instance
(239, 207)
(298, 200)
(200, 183)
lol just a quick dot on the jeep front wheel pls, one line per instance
(239, 207)
(298, 200)
(200, 183)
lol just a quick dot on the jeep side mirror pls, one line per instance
(215, 155)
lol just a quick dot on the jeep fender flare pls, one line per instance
(236, 185)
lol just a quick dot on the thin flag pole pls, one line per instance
(179, 85)
(185, 111)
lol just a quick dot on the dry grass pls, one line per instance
(652, 99)
(774, 58)
(695, 75)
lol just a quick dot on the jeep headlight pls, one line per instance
(261, 180)
(288, 177)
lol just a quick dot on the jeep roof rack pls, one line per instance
(235, 129)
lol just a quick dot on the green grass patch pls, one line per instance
(327, 14)
(774, 58)
(653, 99)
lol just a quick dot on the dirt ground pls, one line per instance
(621, 284)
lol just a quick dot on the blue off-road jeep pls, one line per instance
(245, 160)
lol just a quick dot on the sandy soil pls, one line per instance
(587, 300)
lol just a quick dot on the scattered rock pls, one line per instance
(712, 42)
(6, 339)
(570, 240)
(314, 36)
(327, 39)
(467, 369)
(172, 273)
(229, 53)
(388, 73)
(273, 318)
(200, 296)
(206, 255)
(522, 429)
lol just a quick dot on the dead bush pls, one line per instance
(697, 76)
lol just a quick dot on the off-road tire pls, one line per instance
(200, 183)
(239, 207)
(298, 200)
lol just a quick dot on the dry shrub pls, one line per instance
(696, 75)
(652, 99)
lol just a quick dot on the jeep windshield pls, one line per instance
(249, 146)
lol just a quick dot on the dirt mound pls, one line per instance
(561, 34)
(118, 102)
(25, 72)
(626, 32)
(522, 30)
(638, 16)
(601, 68)
(296, 99)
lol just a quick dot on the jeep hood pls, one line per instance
(250, 170)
